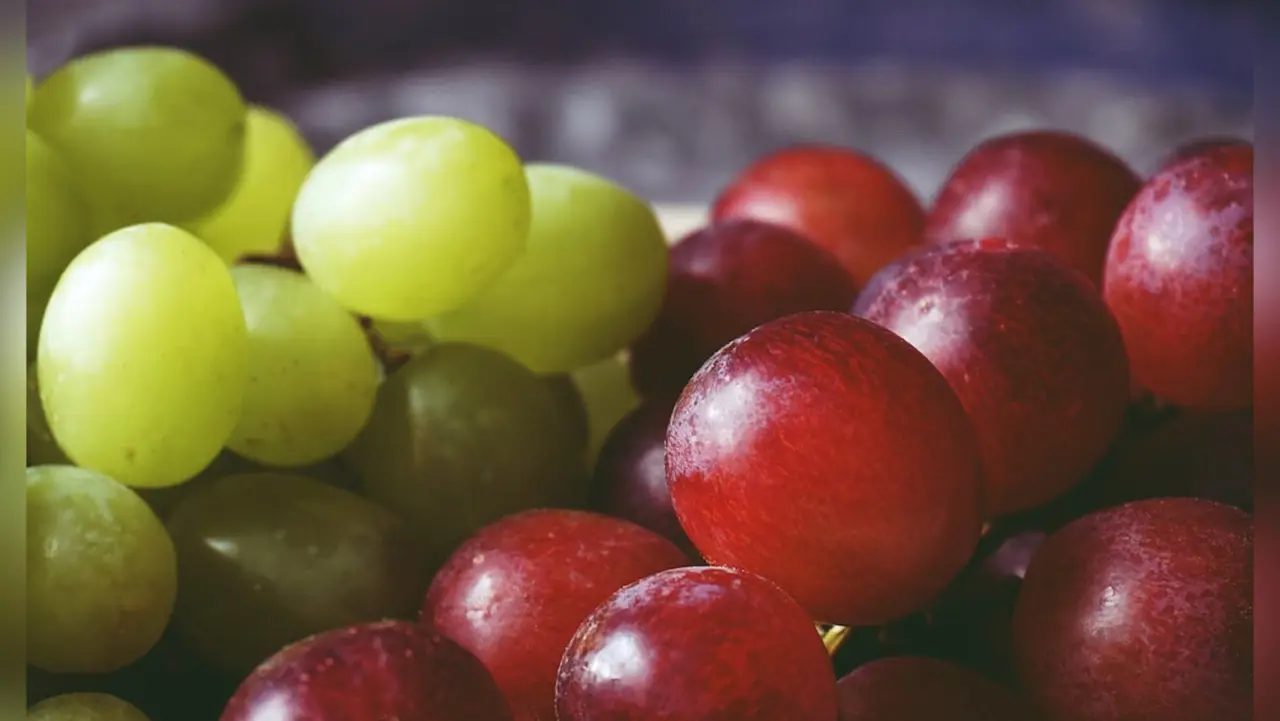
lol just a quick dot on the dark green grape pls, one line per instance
(267, 559)
(462, 436)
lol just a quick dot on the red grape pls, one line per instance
(697, 644)
(1199, 145)
(1030, 349)
(1180, 280)
(845, 201)
(826, 454)
(1047, 189)
(1143, 612)
(924, 689)
(725, 280)
(384, 670)
(516, 591)
(631, 473)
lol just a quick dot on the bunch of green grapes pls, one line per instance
(444, 353)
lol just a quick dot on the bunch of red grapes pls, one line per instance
(987, 460)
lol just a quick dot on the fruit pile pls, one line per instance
(418, 431)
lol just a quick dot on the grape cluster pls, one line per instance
(419, 431)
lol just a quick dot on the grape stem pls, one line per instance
(834, 637)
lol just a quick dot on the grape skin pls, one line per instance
(412, 217)
(142, 356)
(85, 707)
(589, 283)
(159, 130)
(57, 228)
(267, 559)
(255, 218)
(101, 572)
(312, 375)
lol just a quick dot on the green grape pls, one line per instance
(42, 449)
(101, 572)
(608, 396)
(255, 218)
(85, 707)
(462, 436)
(58, 228)
(267, 559)
(142, 358)
(31, 88)
(159, 130)
(312, 374)
(590, 282)
(412, 217)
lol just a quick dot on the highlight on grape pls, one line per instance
(416, 429)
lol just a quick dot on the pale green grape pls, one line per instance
(101, 572)
(31, 88)
(85, 707)
(254, 220)
(590, 282)
(412, 217)
(608, 395)
(312, 374)
(58, 227)
(159, 130)
(143, 356)
(42, 449)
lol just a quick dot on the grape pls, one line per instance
(725, 280)
(515, 592)
(57, 228)
(159, 130)
(255, 218)
(385, 671)
(42, 449)
(84, 707)
(828, 455)
(845, 201)
(630, 478)
(31, 88)
(268, 559)
(142, 356)
(412, 217)
(462, 436)
(1029, 348)
(608, 395)
(312, 374)
(697, 644)
(924, 689)
(589, 283)
(1142, 612)
(1049, 189)
(1179, 278)
(101, 572)
(564, 388)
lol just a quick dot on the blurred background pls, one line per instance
(673, 97)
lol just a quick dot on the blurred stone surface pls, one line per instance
(672, 98)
